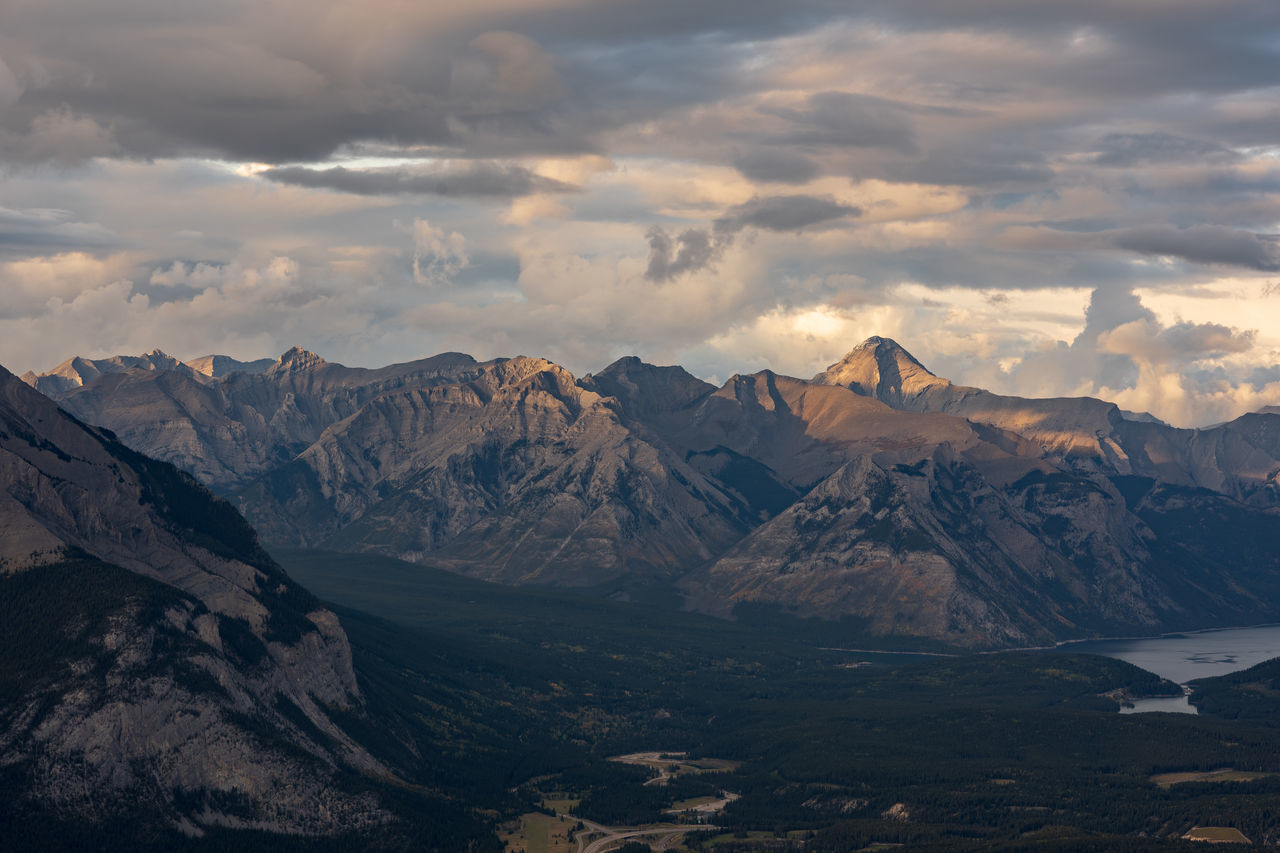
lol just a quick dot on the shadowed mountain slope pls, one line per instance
(163, 677)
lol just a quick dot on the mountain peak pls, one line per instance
(646, 390)
(157, 359)
(297, 358)
(881, 367)
(882, 347)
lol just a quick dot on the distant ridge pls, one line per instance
(218, 366)
(76, 371)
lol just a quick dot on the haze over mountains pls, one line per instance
(876, 491)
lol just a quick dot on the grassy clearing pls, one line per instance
(539, 833)
(711, 765)
(694, 802)
(561, 805)
(738, 838)
(1165, 780)
(1217, 834)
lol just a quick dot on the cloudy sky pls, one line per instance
(1049, 198)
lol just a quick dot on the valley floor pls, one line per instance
(628, 711)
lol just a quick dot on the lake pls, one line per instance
(1185, 657)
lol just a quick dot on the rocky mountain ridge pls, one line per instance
(511, 472)
(76, 371)
(876, 491)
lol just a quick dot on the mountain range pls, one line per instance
(875, 492)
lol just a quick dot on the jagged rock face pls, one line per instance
(1068, 426)
(1240, 458)
(879, 368)
(168, 627)
(935, 549)
(518, 474)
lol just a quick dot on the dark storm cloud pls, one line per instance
(1145, 48)
(996, 164)
(1110, 307)
(276, 81)
(41, 232)
(1260, 377)
(283, 81)
(286, 81)
(148, 120)
(697, 248)
(776, 165)
(1139, 149)
(847, 120)
(1205, 244)
(489, 180)
(622, 21)
(783, 213)
(669, 257)
(1193, 341)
